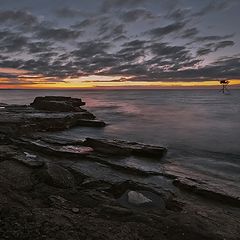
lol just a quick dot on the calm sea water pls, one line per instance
(201, 128)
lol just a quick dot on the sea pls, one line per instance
(200, 128)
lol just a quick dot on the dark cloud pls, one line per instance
(223, 44)
(229, 69)
(11, 63)
(90, 49)
(167, 57)
(12, 42)
(190, 33)
(109, 30)
(128, 55)
(39, 47)
(136, 14)
(136, 44)
(83, 42)
(214, 5)
(120, 38)
(212, 38)
(84, 23)
(127, 69)
(161, 31)
(163, 49)
(213, 47)
(167, 63)
(59, 69)
(163, 56)
(58, 34)
(203, 51)
(47, 55)
(178, 14)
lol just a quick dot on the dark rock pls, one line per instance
(118, 147)
(57, 104)
(116, 210)
(90, 183)
(55, 149)
(58, 122)
(3, 105)
(174, 205)
(29, 160)
(137, 198)
(57, 176)
(46, 114)
(4, 140)
(17, 175)
(7, 152)
(75, 210)
(197, 183)
(58, 201)
(141, 199)
(208, 191)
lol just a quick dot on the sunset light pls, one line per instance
(119, 120)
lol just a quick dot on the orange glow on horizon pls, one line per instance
(28, 81)
(13, 71)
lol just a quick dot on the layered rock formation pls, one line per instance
(46, 114)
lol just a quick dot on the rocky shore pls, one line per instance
(56, 188)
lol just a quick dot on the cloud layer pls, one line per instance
(137, 40)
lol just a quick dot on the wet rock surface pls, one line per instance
(55, 188)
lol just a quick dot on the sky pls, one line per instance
(119, 43)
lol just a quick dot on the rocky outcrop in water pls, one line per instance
(46, 114)
(55, 188)
(58, 104)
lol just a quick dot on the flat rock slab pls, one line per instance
(55, 149)
(208, 190)
(209, 187)
(82, 150)
(118, 147)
